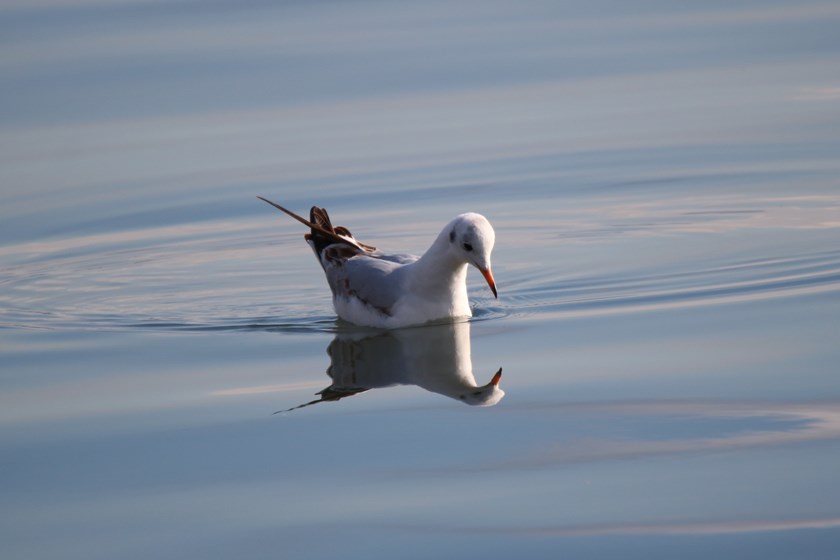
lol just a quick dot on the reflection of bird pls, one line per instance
(434, 357)
(378, 290)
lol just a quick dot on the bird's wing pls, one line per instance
(354, 270)
(372, 280)
(322, 233)
(399, 258)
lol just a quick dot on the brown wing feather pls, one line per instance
(321, 225)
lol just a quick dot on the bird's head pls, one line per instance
(486, 395)
(471, 238)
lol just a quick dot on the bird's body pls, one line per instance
(375, 289)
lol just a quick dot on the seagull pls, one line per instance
(374, 289)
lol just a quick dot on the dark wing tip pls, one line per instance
(321, 227)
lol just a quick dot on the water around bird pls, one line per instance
(663, 186)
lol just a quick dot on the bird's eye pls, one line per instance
(467, 247)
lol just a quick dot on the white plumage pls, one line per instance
(375, 289)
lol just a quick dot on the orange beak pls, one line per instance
(496, 378)
(490, 282)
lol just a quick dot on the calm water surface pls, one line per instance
(664, 186)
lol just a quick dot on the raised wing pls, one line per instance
(322, 231)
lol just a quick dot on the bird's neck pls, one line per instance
(439, 269)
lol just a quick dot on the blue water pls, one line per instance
(663, 181)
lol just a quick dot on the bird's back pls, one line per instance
(366, 284)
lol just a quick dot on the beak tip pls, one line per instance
(488, 276)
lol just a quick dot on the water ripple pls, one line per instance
(731, 282)
(232, 280)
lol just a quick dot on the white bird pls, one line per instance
(374, 289)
